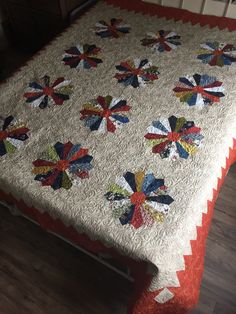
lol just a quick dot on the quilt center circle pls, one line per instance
(173, 136)
(62, 165)
(3, 135)
(218, 52)
(48, 91)
(138, 198)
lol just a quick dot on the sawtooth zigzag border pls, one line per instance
(177, 14)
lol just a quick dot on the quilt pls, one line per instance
(122, 129)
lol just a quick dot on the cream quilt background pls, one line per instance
(190, 182)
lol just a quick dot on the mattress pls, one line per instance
(121, 130)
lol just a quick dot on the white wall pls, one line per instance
(211, 7)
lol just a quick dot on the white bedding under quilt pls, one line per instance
(134, 170)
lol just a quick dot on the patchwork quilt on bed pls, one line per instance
(120, 128)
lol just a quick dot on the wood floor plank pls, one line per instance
(224, 309)
(207, 302)
(223, 230)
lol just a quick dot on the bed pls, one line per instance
(117, 137)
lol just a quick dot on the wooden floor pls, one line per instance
(41, 274)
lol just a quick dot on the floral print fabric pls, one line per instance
(199, 90)
(161, 41)
(139, 199)
(116, 28)
(82, 56)
(62, 165)
(105, 114)
(136, 72)
(42, 94)
(215, 53)
(174, 137)
(13, 134)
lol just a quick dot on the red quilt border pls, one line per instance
(175, 13)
